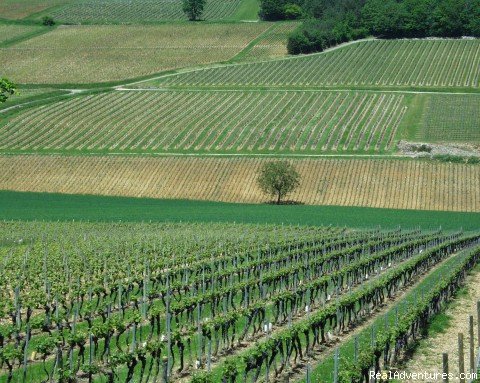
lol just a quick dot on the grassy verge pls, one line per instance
(44, 206)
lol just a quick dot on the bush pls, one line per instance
(272, 10)
(48, 21)
(292, 12)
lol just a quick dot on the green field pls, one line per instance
(10, 33)
(19, 9)
(124, 11)
(272, 44)
(447, 118)
(139, 11)
(374, 63)
(92, 54)
(224, 121)
(52, 207)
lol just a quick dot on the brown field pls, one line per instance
(18, 9)
(100, 53)
(400, 184)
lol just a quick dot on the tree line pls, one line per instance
(327, 22)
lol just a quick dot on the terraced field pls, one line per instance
(124, 11)
(395, 184)
(210, 121)
(90, 54)
(448, 118)
(374, 63)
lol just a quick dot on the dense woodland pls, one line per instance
(329, 22)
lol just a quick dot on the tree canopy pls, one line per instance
(193, 8)
(278, 179)
(7, 89)
(331, 22)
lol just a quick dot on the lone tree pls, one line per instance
(193, 8)
(278, 179)
(7, 89)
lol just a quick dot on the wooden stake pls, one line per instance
(478, 322)
(461, 361)
(445, 367)
(472, 344)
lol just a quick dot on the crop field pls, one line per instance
(231, 292)
(225, 121)
(90, 54)
(9, 32)
(274, 44)
(373, 63)
(394, 184)
(124, 11)
(452, 119)
(19, 9)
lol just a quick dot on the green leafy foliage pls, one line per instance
(278, 179)
(48, 21)
(7, 89)
(193, 8)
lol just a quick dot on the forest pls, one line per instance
(327, 23)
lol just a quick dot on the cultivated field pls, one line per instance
(374, 63)
(447, 118)
(236, 300)
(19, 9)
(139, 11)
(395, 184)
(89, 54)
(9, 32)
(273, 44)
(223, 121)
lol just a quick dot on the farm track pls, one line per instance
(370, 182)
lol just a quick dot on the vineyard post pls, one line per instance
(472, 344)
(335, 368)
(445, 367)
(209, 360)
(25, 353)
(478, 322)
(308, 373)
(461, 361)
(199, 330)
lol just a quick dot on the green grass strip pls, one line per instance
(53, 207)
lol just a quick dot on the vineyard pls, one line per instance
(394, 184)
(100, 53)
(126, 11)
(9, 32)
(19, 9)
(273, 44)
(252, 122)
(453, 119)
(373, 63)
(176, 302)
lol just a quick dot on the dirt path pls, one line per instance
(428, 356)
